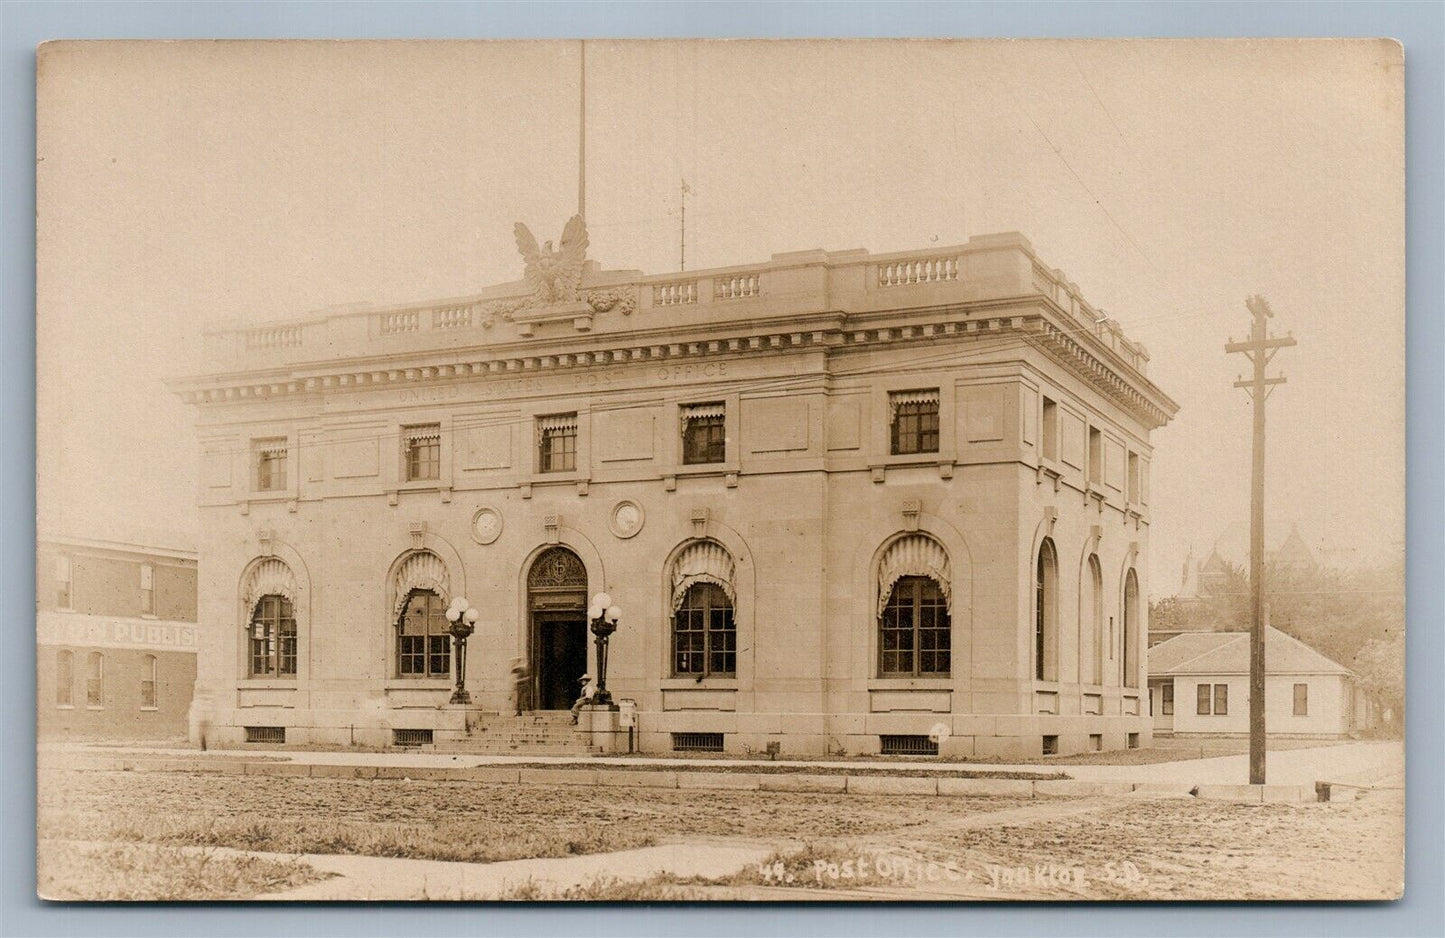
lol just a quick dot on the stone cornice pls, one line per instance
(829, 332)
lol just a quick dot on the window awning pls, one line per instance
(702, 562)
(922, 396)
(270, 577)
(914, 555)
(422, 570)
(698, 411)
(557, 422)
(272, 449)
(423, 434)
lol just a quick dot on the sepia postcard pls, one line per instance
(700, 470)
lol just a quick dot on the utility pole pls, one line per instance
(682, 258)
(1260, 349)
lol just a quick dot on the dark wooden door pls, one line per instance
(560, 641)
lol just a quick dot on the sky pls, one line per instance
(184, 184)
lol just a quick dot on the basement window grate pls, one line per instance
(265, 734)
(1051, 745)
(1133, 740)
(697, 742)
(1096, 742)
(411, 738)
(907, 746)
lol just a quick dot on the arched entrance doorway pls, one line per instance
(557, 605)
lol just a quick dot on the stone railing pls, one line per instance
(676, 293)
(735, 287)
(918, 270)
(404, 321)
(1051, 284)
(451, 317)
(273, 337)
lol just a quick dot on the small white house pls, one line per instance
(1199, 686)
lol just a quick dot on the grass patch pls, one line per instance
(470, 841)
(663, 888)
(143, 873)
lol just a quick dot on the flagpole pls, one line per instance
(582, 135)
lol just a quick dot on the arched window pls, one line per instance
(915, 632)
(95, 680)
(273, 637)
(704, 632)
(1091, 613)
(1046, 616)
(268, 596)
(423, 644)
(149, 676)
(65, 678)
(1131, 630)
(704, 635)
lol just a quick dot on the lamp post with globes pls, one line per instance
(463, 619)
(604, 618)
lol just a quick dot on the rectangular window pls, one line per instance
(95, 681)
(62, 582)
(65, 679)
(147, 589)
(557, 443)
(1301, 700)
(1051, 429)
(423, 452)
(704, 434)
(150, 673)
(1134, 478)
(269, 457)
(915, 421)
(1221, 699)
(1166, 699)
(1201, 703)
(1096, 456)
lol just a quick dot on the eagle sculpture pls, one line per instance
(554, 275)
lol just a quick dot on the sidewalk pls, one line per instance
(1357, 761)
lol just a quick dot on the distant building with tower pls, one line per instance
(116, 637)
(840, 498)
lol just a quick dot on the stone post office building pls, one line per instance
(843, 500)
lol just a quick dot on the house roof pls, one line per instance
(1294, 551)
(1228, 653)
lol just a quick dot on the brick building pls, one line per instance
(843, 499)
(115, 638)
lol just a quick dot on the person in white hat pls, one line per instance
(587, 690)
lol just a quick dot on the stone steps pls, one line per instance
(533, 734)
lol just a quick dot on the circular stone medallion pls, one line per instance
(627, 518)
(486, 525)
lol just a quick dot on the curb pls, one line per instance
(801, 782)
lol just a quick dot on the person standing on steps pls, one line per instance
(521, 677)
